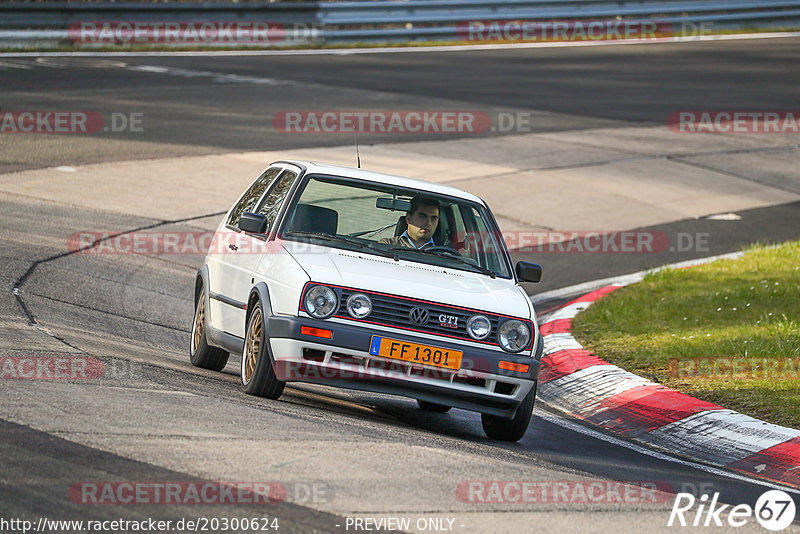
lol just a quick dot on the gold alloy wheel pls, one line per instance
(199, 322)
(253, 346)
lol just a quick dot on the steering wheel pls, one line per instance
(446, 250)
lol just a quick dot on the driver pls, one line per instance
(422, 220)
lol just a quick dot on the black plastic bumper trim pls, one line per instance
(358, 338)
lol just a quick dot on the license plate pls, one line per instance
(415, 353)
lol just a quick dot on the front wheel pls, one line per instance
(503, 429)
(201, 354)
(258, 376)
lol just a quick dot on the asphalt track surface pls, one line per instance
(155, 418)
(201, 106)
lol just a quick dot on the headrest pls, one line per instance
(309, 218)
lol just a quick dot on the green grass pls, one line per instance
(727, 332)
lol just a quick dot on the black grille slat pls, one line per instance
(390, 311)
(394, 311)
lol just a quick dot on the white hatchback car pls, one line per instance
(314, 275)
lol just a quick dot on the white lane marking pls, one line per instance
(580, 429)
(219, 77)
(568, 312)
(724, 217)
(406, 50)
(146, 390)
(149, 68)
(716, 434)
(73, 63)
(5, 65)
(65, 169)
(557, 342)
(583, 391)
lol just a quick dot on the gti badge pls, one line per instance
(448, 321)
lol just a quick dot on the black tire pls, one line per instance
(201, 354)
(258, 376)
(503, 429)
(432, 406)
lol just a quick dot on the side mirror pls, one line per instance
(528, 272)
(253, 223)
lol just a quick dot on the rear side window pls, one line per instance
(251, 196)
(272, 203)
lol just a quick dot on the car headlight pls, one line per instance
(359, 305)
(513, 335)
(321, 302)
(479, 327)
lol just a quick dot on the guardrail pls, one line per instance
(60, 15)
(393, 21)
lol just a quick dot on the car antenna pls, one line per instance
(355, 137)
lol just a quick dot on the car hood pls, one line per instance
(412, 279)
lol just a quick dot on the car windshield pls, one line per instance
(353, 214)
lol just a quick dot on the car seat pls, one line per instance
(318, 219)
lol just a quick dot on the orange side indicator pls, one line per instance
(316, 332)
(517, 367)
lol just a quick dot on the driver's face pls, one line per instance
(423, 223)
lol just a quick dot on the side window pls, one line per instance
(459, 236)
(488, 246)
(445, 220)
(271, 204)
(252, 195)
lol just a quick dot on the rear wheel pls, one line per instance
(504, 429)
(201, 354)
(258, 376)
(432, 406)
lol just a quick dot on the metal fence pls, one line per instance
(376, 21)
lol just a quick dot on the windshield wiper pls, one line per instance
(371, 232)
(343, 239)
(460, 259)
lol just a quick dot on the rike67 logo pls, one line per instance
(774, 510)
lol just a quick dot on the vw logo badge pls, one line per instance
(418, 315)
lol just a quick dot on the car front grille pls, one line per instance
(396, 311)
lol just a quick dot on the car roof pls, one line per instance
(313, 167)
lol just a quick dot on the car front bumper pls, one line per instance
(345, 361)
